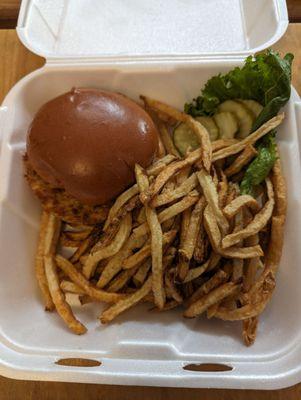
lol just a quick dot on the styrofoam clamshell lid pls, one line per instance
(150, 30)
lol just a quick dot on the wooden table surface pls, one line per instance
(15, 62)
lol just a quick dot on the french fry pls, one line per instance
(252, 264)
(167, 173)
(160, 164)
(170, 285)
(156, 241)
(249, 140)
(86, 245)
(72, 299)
(39, 264)
(114, 265)
(243, 159)
(124, 304)
(216, 280)
(196, 272)
(279, 189)
(141, 274)
(161, 148)
(199, 130)
(53, 228)
(211, 196)
(120, 281)
(187, 247)
(58, 297)
(77, 235)
(167, 140)
(80, 280)
(211, 298)
(215, 240)
(238, 203)
(257, 224)
(170, 212)
(204, 139)
(222, 190)
(119, 203)
(183, 175)
(171, 195)
(110, 250)
(71, 287)
(222, 143)
(249, 330)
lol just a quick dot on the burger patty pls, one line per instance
(59, 202)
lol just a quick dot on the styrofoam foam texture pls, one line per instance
(158, 29)
(140, 348)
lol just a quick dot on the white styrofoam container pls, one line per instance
(166, 49)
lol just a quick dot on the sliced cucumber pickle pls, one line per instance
(253, 106)
(227, 124)
(244, 116)
(184, 139)
(211, 127)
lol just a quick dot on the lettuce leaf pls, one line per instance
(266, 78)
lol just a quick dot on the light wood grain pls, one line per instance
(15, 62)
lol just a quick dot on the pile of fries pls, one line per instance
(181, 236)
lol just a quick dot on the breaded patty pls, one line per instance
(59, 202)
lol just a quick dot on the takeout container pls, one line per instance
(166, 49)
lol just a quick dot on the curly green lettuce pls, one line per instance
(266, 78)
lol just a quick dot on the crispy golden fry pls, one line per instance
(187, 247)
(222, 189)
(79, 234)
(141, 274)
(245, 312)
(121, 280)
(252, 265)
(221, 143)
(199, 130)
(274, 251)
(170, 285)
(249, 140)
(119, 203)
(71, 287)
(58, 297)
(79, 279)
(161, 148)
(51, 238)
(196, 272)
(167, 173)
(115, 263)
(249, 330)
(257, 224)
(211, 298)
(156, 241)
(204, 139)
(124, 304)
(141, 216)
(39, 264)
(73, 299)
(243, 159)
(180, 191)
(170, 212)
(238, 203)
(216, 280)
(183, 175)
(86, 245)
(167, 140)
(110, 250)
(201, 245)
(212, 310)
(215, 240)
(169, 305)
(211, 195)
(141, 255)
(160, 164)
(279, 189)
